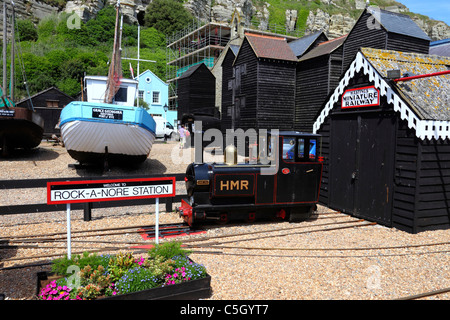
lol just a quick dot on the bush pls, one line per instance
(60, 266)
(167, 16)
(168, 250)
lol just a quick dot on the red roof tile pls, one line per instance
(271, 47)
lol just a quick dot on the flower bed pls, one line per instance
(165, 273)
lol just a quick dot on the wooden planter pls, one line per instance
(189, 290)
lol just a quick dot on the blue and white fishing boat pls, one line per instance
(107, 127)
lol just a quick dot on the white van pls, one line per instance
(163, 129)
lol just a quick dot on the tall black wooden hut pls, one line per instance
(386, 142)
(227, 90)
(318, 73)
(196, 92)
(48, 104)
(381, 29)
(263, 85)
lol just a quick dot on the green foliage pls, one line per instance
(168, 250)
(57, 55)
(26, 31)
(119, 264)
(152, 38)
(167, 16)
(59, 266)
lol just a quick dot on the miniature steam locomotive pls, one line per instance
(282, 182)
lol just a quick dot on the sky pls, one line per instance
(436, 9)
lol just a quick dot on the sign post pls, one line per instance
(67, 192)
(69, 251)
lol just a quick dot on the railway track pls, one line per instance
(206, 242)
(425, 294)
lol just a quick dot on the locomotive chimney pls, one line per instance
(230, 156)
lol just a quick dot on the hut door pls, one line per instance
(376, 167)
(343, 163)
(361, 165)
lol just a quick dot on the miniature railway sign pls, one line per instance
(67, 192)
(360, 97)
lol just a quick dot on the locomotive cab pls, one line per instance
(280, 180)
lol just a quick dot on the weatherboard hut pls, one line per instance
(227, 83)
(386, 140)
(263, 83)
(318, 73)
(48, 104)
(381, 29)
(196, 92)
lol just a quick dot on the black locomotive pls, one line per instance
(282, 182)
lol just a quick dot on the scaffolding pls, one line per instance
(191, 46)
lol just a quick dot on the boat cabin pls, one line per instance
(96, 88)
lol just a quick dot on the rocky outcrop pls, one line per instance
(251, 12)
(334, 26)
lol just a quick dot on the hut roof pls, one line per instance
(324, 48)
(423, 103)
(270, 47)
(440, 47)
(192, 70)
(300, 46)
(398, 23)
(428, 96)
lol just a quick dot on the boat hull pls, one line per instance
(20, 128)
(90, 139)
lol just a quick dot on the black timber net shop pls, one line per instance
(386, 130)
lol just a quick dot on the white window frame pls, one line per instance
(159, 97)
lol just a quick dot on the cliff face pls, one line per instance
(334, 17)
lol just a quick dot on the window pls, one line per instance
(301, 148)
(141, 94)
(288, 148)
(312, 148)
(52, 103)
(155, 97)
(121, 95)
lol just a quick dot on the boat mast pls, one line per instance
(5, 80)
(115, 68)
(12, 51)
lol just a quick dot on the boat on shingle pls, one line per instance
(107, 128)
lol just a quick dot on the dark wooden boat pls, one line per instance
(20, 127)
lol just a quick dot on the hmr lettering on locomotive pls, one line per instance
(244, 191)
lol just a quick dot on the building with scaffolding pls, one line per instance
(207, 43)
(191, 46)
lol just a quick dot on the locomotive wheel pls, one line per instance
(223, 219)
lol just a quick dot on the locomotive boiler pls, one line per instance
(281, 181)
